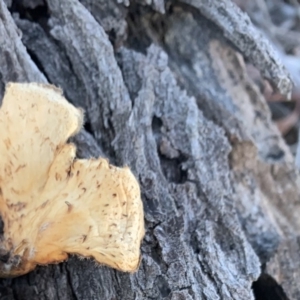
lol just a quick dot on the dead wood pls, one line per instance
(165, 91)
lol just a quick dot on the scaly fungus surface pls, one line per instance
(53, 204)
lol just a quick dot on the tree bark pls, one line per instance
(165, 91)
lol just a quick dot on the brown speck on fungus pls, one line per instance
(41, 225)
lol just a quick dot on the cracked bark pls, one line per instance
(220, 191)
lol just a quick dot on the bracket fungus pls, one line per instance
(53, 204)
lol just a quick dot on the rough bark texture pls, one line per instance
(165, 91)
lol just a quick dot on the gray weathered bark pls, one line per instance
(165, 91)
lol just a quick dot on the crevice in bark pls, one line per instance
(171, 160)
(266, 288)
(137, 37)
(173, 169)
(163, 286)
(38, 64)
(87, 127)
(38, 14)
(70, 281)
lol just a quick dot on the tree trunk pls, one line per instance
(165, 91)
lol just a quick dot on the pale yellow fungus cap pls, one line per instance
(52, 204)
